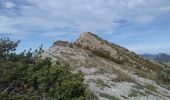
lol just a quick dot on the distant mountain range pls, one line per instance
(161, 57)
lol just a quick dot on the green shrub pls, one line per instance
(122, 76)
(164, 75)
(135, 93)
(110, 97)
(27, 76)
(101, 83)
(105, 54)
(150, 87)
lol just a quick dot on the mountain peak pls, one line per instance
(87, 35)
(107, 66)
(88, 38)
(92, 42)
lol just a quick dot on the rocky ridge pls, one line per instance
(111, 71)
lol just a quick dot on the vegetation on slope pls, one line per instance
(27, 76)
(142, 67)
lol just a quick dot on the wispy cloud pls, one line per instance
(55, 17)
(83, 15)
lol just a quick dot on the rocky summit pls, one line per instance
(113, 72)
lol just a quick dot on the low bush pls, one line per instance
(110, 97)
(26, 76)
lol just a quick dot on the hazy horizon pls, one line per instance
(142, 26)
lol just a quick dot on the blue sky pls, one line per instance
(142, 26)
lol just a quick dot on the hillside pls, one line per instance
(112, 72)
